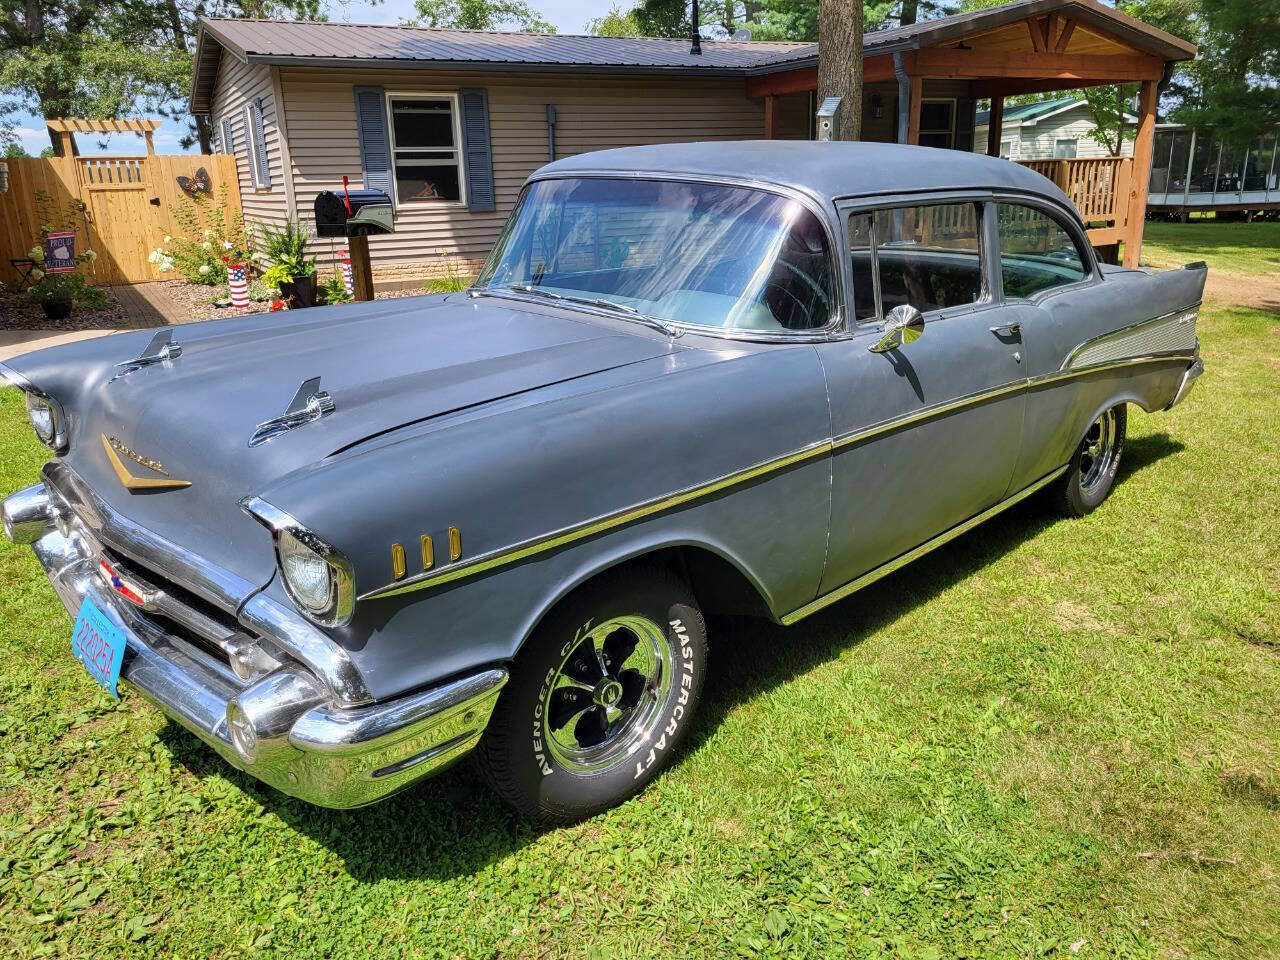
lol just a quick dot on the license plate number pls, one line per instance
(99, 645)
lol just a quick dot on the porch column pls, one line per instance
(913, 110)
(1142, 152)
(995, 126)
(770, 117)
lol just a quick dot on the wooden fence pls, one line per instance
(129, 207)
(1099, 187)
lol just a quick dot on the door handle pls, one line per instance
(1008, 330)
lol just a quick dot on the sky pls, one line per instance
(568, 16)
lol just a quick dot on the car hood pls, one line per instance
(384, 365)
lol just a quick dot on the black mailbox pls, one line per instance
(370, 213)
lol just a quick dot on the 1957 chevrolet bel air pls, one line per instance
(347, 546)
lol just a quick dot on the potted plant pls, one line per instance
(291, 270)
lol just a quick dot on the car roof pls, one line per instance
(825, 170)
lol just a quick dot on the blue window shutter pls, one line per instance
(375, 145)
(476, 151)
(260, 139)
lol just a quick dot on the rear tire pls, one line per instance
(1092, 471)
(600, 697)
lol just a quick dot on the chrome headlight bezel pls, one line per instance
(56, 440)
(43, 416)
(342, 592)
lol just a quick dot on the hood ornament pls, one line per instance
(132, 482)
(161, 347)
(309, 403)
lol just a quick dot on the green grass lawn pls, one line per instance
(1050, 738)
(1239, 248)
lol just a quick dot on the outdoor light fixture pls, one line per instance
(877, 106)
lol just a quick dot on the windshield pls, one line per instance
(687, 253)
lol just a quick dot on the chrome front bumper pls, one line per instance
(286, 726)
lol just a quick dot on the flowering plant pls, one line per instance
(68, 289)
(209, 241)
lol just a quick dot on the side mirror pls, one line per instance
(904, 325)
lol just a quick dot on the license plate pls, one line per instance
(99, 645)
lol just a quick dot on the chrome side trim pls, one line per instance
(528, 548)
(898, 563)
(1171, 332)
(506, 555)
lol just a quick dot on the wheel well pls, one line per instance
(721, 588)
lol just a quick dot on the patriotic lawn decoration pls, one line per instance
(347, 281)
(238, 281)
(60, 252)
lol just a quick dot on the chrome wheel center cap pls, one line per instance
(608, 692)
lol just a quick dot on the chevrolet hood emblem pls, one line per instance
(115, 450)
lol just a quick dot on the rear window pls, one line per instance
(1036, 252)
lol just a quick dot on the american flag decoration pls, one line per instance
(238, 281)
(347, 281)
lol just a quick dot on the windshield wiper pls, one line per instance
(670, 329)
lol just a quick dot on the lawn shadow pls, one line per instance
(452, 825)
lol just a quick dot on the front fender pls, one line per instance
(516, 474)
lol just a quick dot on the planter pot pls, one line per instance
(56, 309)
(238, 284)
(288, 292)
(304, 292)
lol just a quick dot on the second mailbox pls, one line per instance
(371, 212)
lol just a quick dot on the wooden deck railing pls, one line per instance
(1099, 187)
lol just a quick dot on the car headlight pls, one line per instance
(46, 419)
(317, 577)
(310, 579)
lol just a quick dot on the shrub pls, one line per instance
(71, 287)
(286, 248)
(210, 239)
(334, 290)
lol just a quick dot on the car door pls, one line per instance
(1047, 273)
(927, 433)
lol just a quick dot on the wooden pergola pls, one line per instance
(1030, 46)
(65, 129)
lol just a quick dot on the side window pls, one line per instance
(927, 256)
(1036, 252)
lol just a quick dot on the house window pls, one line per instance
(1006, 149)
(1065, 149)
(425, 148)
(937, 123)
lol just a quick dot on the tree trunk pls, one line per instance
(840, 62)
(909, 12)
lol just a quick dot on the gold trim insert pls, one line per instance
(428, 552)
(455, 544)
(397, 561)
(114, 448)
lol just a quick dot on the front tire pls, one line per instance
(600, 697)
(1092, 471)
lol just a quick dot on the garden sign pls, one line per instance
(60, 252)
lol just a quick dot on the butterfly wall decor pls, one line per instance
(194, 186)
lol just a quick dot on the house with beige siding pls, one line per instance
(450, 123)
(1055, 129)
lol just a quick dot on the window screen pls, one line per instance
(424, 149)
(1036, 252)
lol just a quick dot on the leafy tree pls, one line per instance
(480, 15)
(616, 23)
(1108, 107)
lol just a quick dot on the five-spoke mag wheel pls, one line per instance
(606, 692)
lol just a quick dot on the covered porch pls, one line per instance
(922, 83)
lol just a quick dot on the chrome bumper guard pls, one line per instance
(285, 728)
(1188, 381)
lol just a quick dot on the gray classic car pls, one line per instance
(348, 546)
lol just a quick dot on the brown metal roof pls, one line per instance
(304, 43)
